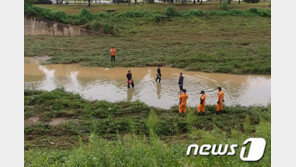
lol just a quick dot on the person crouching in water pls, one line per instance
(202, 103)
(129, 77)
(183, 105)
(158, 75)
(220, 100)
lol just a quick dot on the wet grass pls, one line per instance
(228, 41)
(100, 133)
(216, 44)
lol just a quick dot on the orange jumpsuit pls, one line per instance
(220, 98)
(202, 104)
(112, 51)
(183, 105)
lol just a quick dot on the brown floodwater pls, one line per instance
(36, 26)
(97, 83)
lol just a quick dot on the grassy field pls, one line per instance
(62, 129)
(233, 40)
(229, 44)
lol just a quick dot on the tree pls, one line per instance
(88, 3)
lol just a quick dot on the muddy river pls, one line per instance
(96, 83)
(36, 26)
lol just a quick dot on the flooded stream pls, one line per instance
(36, 26)
(97, 83)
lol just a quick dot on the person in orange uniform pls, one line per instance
(220, 100)
(183, 105)
(202, 103)
(112, 51)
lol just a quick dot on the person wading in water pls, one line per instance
(158, 75)
(181, 78)
(130, 81)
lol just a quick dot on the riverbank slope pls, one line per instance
(63, 129)
(228, 41)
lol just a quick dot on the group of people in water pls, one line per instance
(183, 96)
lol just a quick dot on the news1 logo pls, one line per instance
(255, 151)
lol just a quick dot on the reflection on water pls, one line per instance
(36, 26)
(110, 84)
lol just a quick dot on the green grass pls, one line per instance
(228, 41)
(100, 133)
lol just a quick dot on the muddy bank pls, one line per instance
(36, 26)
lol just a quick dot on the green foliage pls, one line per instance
(224, 5)
(135, 151)
(119, 137)
(86, 14)
(152, 123)
(157, 18)
(109, 29)
(170, 43)
(60, 16)
(104, 22)
(260, 12)
(107, 119)
(171, 11)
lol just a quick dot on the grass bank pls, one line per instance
(62, 129)
(228, 41)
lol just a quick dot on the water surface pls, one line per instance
(97, 83)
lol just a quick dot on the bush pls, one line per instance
(109, 29)
(47, 14)
(157, 18)
(86, 14)
(252, 1)
(171, 11)
(224, 5)
(60, 16)
(260, 12)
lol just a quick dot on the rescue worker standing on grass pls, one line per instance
(158, 75)
(112, 51)
(129, 77)
(183, 105)
(220, 100)
(202, 103)
(180, 82)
